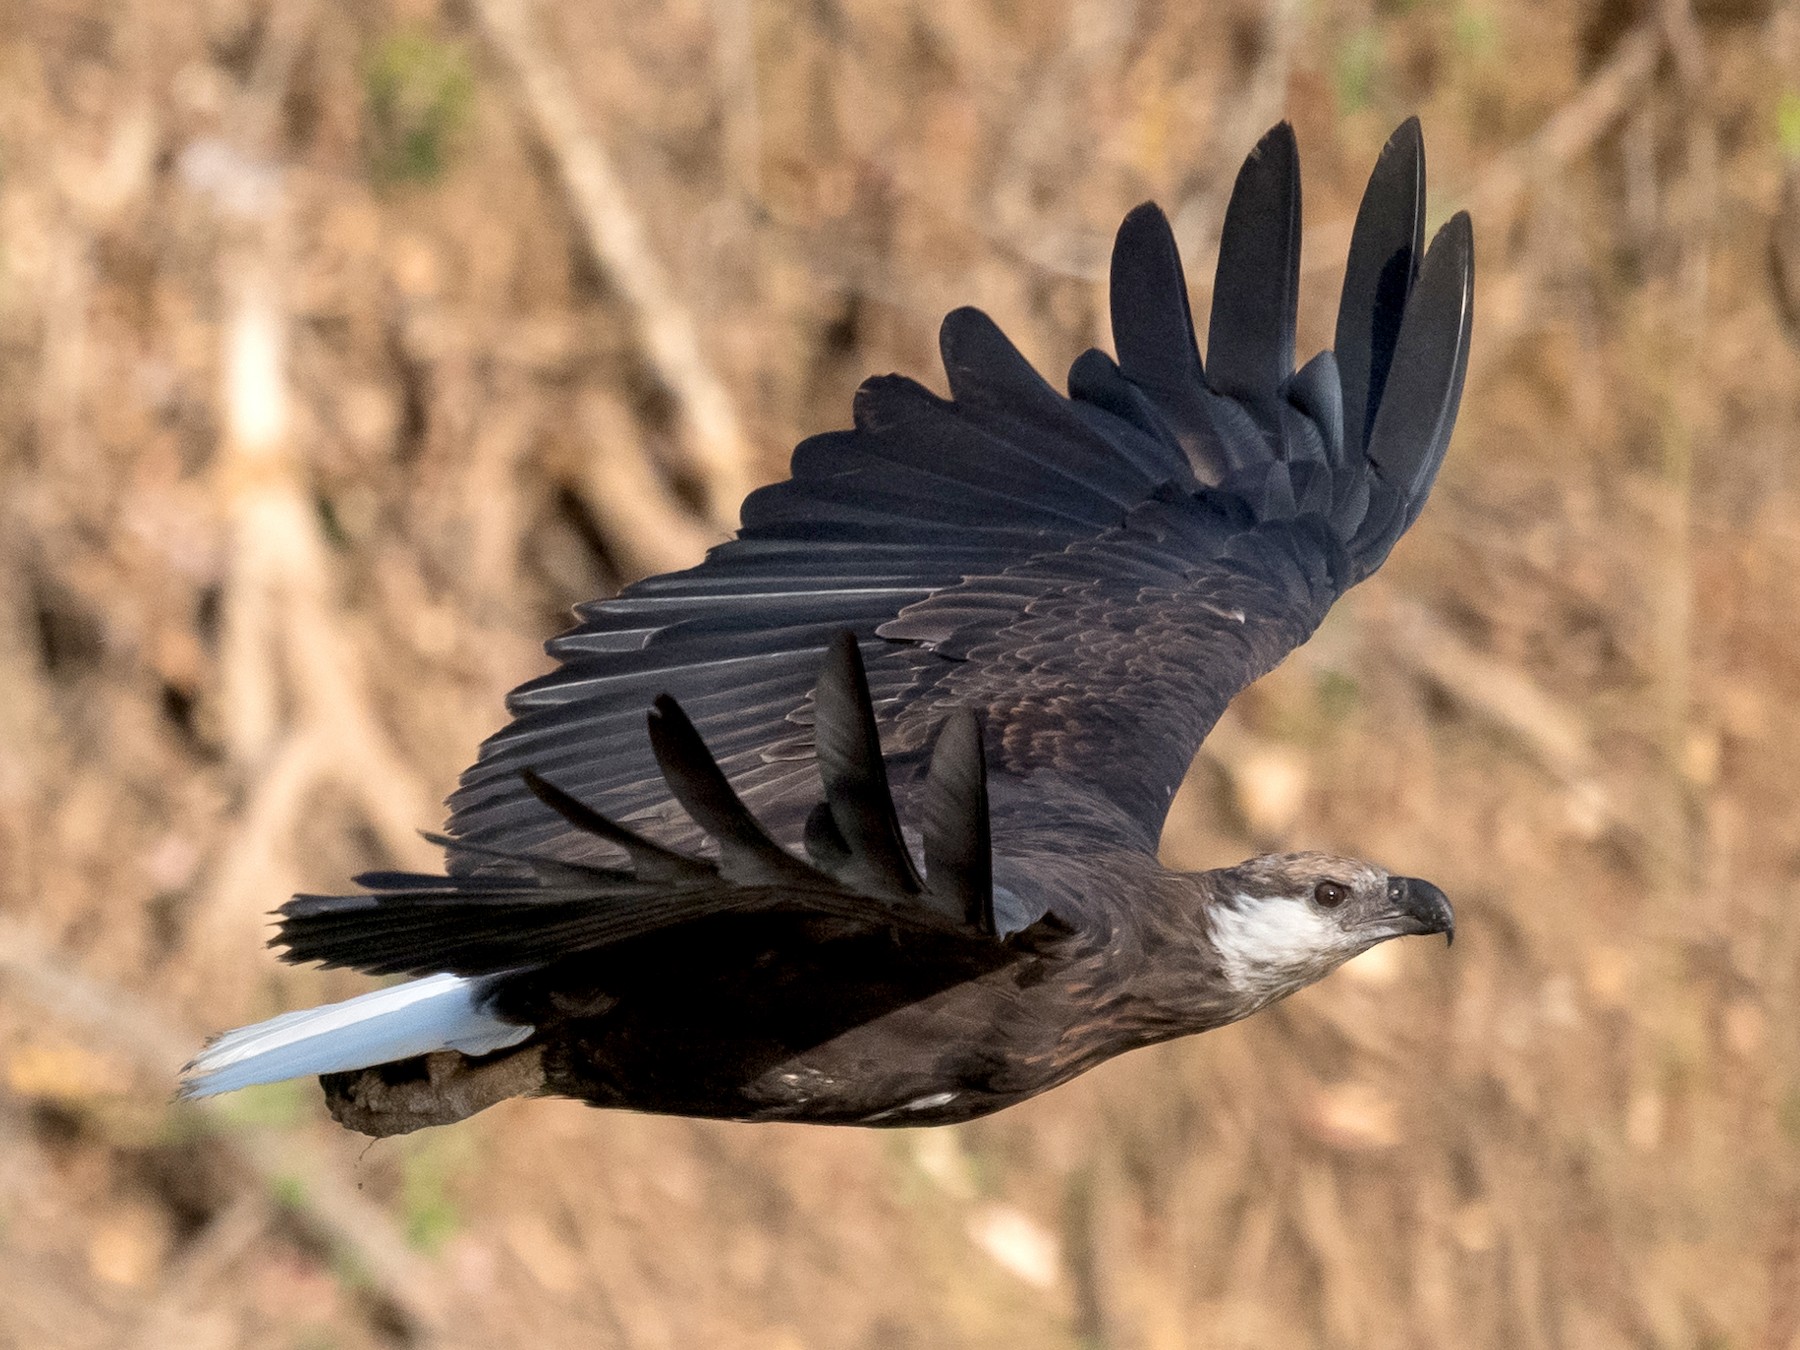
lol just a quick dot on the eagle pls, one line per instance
(856, 822)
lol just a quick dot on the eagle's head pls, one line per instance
(1281, 921)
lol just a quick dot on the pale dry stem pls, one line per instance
(721, 450)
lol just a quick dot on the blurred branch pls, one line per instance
(296, 704)
(294, 697)
(1097, 36)
(1242, 112)
(206, 1260)
(256, 125)
(508, 428)
(1686, 47)
(645, 523)
(1570, 132)
(28, 717)
(1507, 698)
(1099, 40)
(734, 51)
(1686, 412)
(1499, 190)
(722, 451)
(325, 1206)
(1552, 734)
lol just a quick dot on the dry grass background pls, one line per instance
(343, 347)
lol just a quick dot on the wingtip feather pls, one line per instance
(1250, 337)
(1152, 320)
(1385, 248)
(1418, 408)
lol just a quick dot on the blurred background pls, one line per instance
(343, 347)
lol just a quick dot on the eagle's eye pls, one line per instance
(1330, 894)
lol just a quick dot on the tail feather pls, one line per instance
(440, 1012)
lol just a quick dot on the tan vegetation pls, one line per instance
(344, 347)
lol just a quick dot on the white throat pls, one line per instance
(1271, 946)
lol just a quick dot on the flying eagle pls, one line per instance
(886, 851)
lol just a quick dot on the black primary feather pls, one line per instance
(1385, 248)
(1256, 293)
(1419, 400)
(1159, 384)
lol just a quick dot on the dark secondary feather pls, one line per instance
(959, 859)
(1094, 576)
(530, 911)
(861, 807)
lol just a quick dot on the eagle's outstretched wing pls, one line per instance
(1097, 576)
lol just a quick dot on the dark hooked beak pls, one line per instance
(1424, 905)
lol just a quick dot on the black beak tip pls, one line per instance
(1426, 905)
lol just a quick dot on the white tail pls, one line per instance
(440, 1012)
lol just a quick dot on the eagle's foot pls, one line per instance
(436, 1089)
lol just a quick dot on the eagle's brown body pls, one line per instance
(725, 1043)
